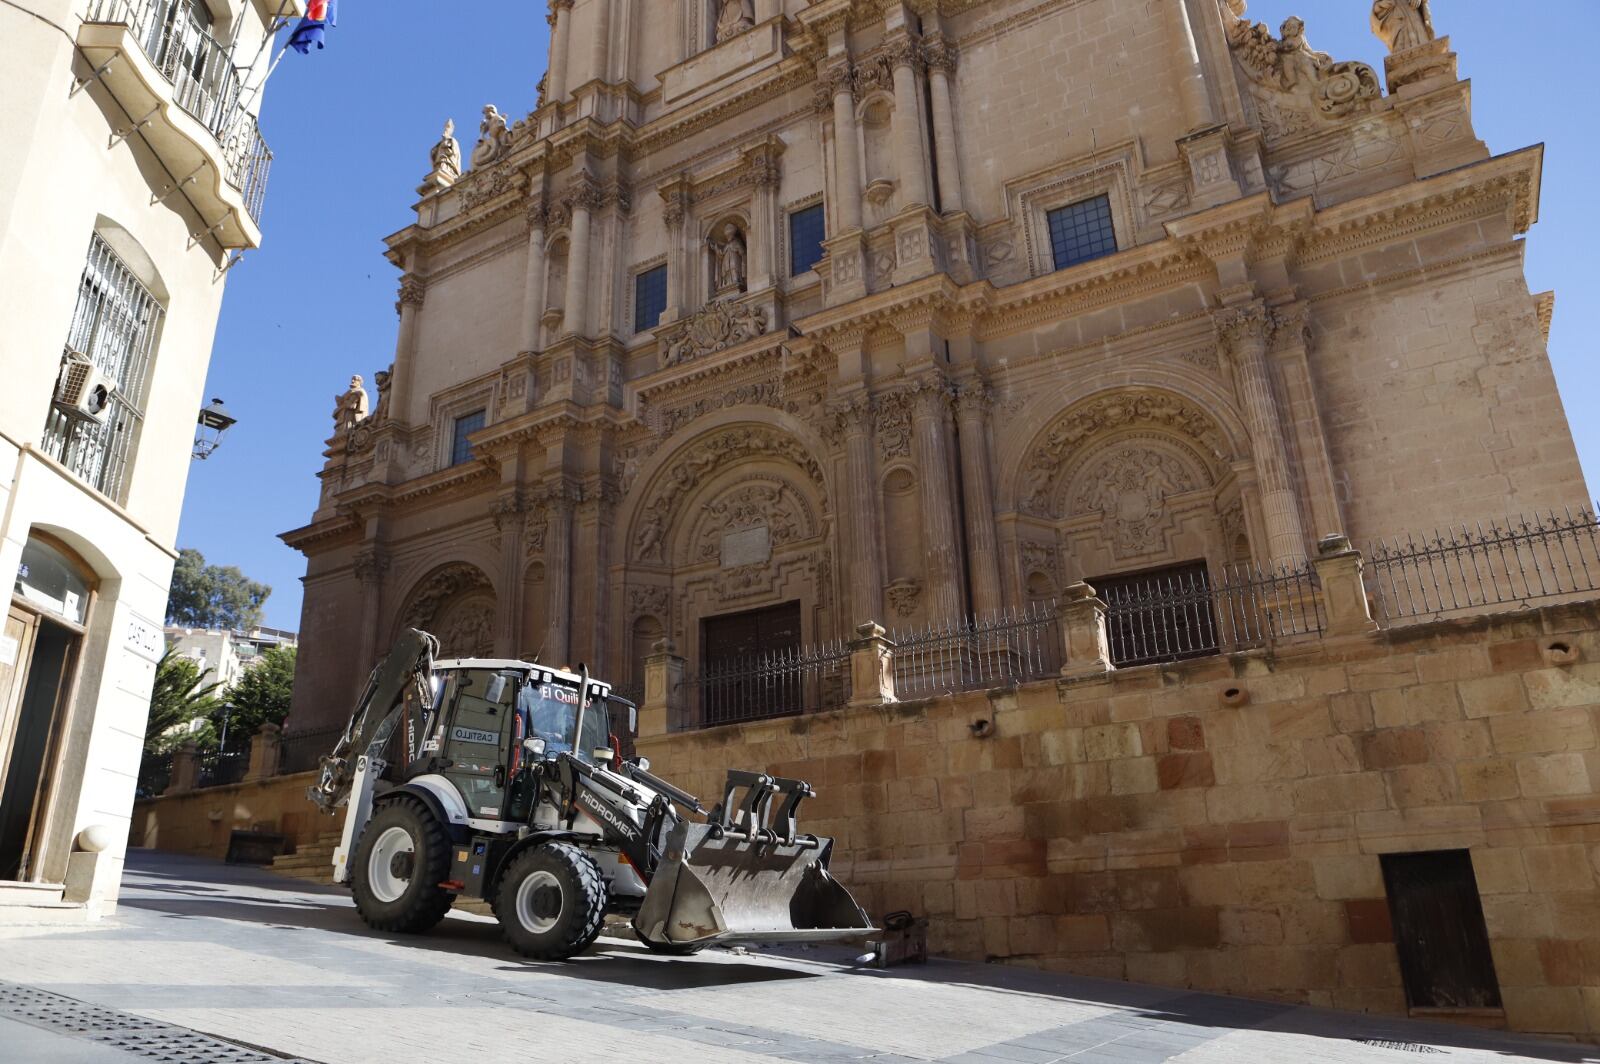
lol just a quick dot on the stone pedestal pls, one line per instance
(1344, 593)
(1083, 633)
(662, 706)
(871, 666)
(266, 751)
(1211, 177)
(844, 268)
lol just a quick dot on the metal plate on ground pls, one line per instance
(1402, 1047)
(115, 1029)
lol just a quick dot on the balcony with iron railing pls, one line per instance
(182, 93)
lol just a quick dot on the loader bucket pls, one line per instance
(727, 890)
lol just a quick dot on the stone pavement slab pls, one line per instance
(268, 962)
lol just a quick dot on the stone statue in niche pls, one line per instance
(446, 160)
(381, 379)
(728, 258)
(494, 137)
(733, 18)
(350, 409)
(1402, 24)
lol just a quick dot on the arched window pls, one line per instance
(94, 422)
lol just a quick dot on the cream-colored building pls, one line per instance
(223, 654)
(134, 171)
(772, 318)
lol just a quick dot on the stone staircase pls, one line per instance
(28, 904)
(314, 862)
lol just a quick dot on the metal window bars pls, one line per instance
(1009, 647)
(1174, 616)
(1514, 561)
(114, 325)
(204, 80)
(780, 683)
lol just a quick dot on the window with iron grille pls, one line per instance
(806, 233)
(1081, 231)
(649, 298)
(113, 329)
(465, 425)
(734, 685)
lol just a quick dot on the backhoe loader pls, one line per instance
(503, 780)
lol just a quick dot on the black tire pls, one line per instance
(565, 907)
(420, 903)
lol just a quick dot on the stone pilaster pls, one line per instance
(940, 57)
(1290, 358)
(534, 279)
(507, 510)
(977, 486)
(560, 20)
(911, 161)
(854, 417)
(371, 563)
(584, 197)
(557, 646)
(409, 306)
(838, 86)
(1242, 333)
(941, 538)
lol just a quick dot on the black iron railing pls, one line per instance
(218, 768)
(782, 683)
(205, 83)
(302, 751)
(1187, 615)
(1468, 569)
(155, 773)
(1010, 647)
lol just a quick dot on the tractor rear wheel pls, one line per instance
(403, 856)
(551, 902)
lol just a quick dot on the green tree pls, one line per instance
(180, 695)
(213, 596)
(261, 696)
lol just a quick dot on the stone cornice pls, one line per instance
(342, 526)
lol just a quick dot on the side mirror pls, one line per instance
(497, 689)
(533, 747)
(643, 763)
(633, 720)
(604, 755)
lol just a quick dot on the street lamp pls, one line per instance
(214, 421)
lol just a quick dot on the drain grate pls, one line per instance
(122, 1030)
(1402, 1047)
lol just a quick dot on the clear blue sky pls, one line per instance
(351, 127)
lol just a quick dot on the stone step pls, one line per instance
(14, 893)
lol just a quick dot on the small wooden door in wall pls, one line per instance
(1439, 931)
(16, 648)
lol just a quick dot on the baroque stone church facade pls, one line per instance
(775, 317)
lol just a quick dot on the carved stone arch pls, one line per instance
(697, 452)
(736, 505)
(1035, 461)
(456, 603)
(1130, 481)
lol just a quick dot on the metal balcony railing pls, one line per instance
(205, 83)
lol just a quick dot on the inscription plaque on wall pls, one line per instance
(748, 546)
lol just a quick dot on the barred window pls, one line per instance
(1082, 231)
(806, 233)
(649, 298)
(465, 425)
(114, 326)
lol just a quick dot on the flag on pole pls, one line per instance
(320, 14)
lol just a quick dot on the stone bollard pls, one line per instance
(871, 666)
(185, 769)
(266, 753)
(1083, 632)
(663, 690)
(1344, 593)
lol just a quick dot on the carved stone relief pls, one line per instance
(1295, 86)
(892, 423)
(715, 327)
(466, 629)
(449, 583)
(903, 596)
(1130, 487)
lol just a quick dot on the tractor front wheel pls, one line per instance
(403, 856)
(551, 902)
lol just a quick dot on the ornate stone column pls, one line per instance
(558, 576)
(596, 503)
(910, 158)
(846, 147)
(763, 174)
(977, 485)
(941, 61)
(584, 197)
(675, 210)
(533, 282)
(930, 400)
(1290, 358)
(408, 305)
(507, 511)
(1242, 332)
(371, 563)
(600, 52)
(1197, 113)
(560, 20)
(854, 418)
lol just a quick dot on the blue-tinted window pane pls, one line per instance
(1082, 231)
(806, 233)
(649, 298)
(466, 425)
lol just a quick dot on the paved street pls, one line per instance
(270, 963)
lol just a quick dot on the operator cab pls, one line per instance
(493, 718)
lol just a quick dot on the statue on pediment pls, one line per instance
(734, 17)
(350, 409)
(446, 159)
(1402, 24)
(494, 137)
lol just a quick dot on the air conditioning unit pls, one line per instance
(82, 392)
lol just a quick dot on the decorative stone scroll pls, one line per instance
(1295, 85)
(715, 327)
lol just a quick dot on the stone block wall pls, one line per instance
(1218, 824)
(200, 822)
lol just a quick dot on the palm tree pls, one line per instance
(180, 695)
